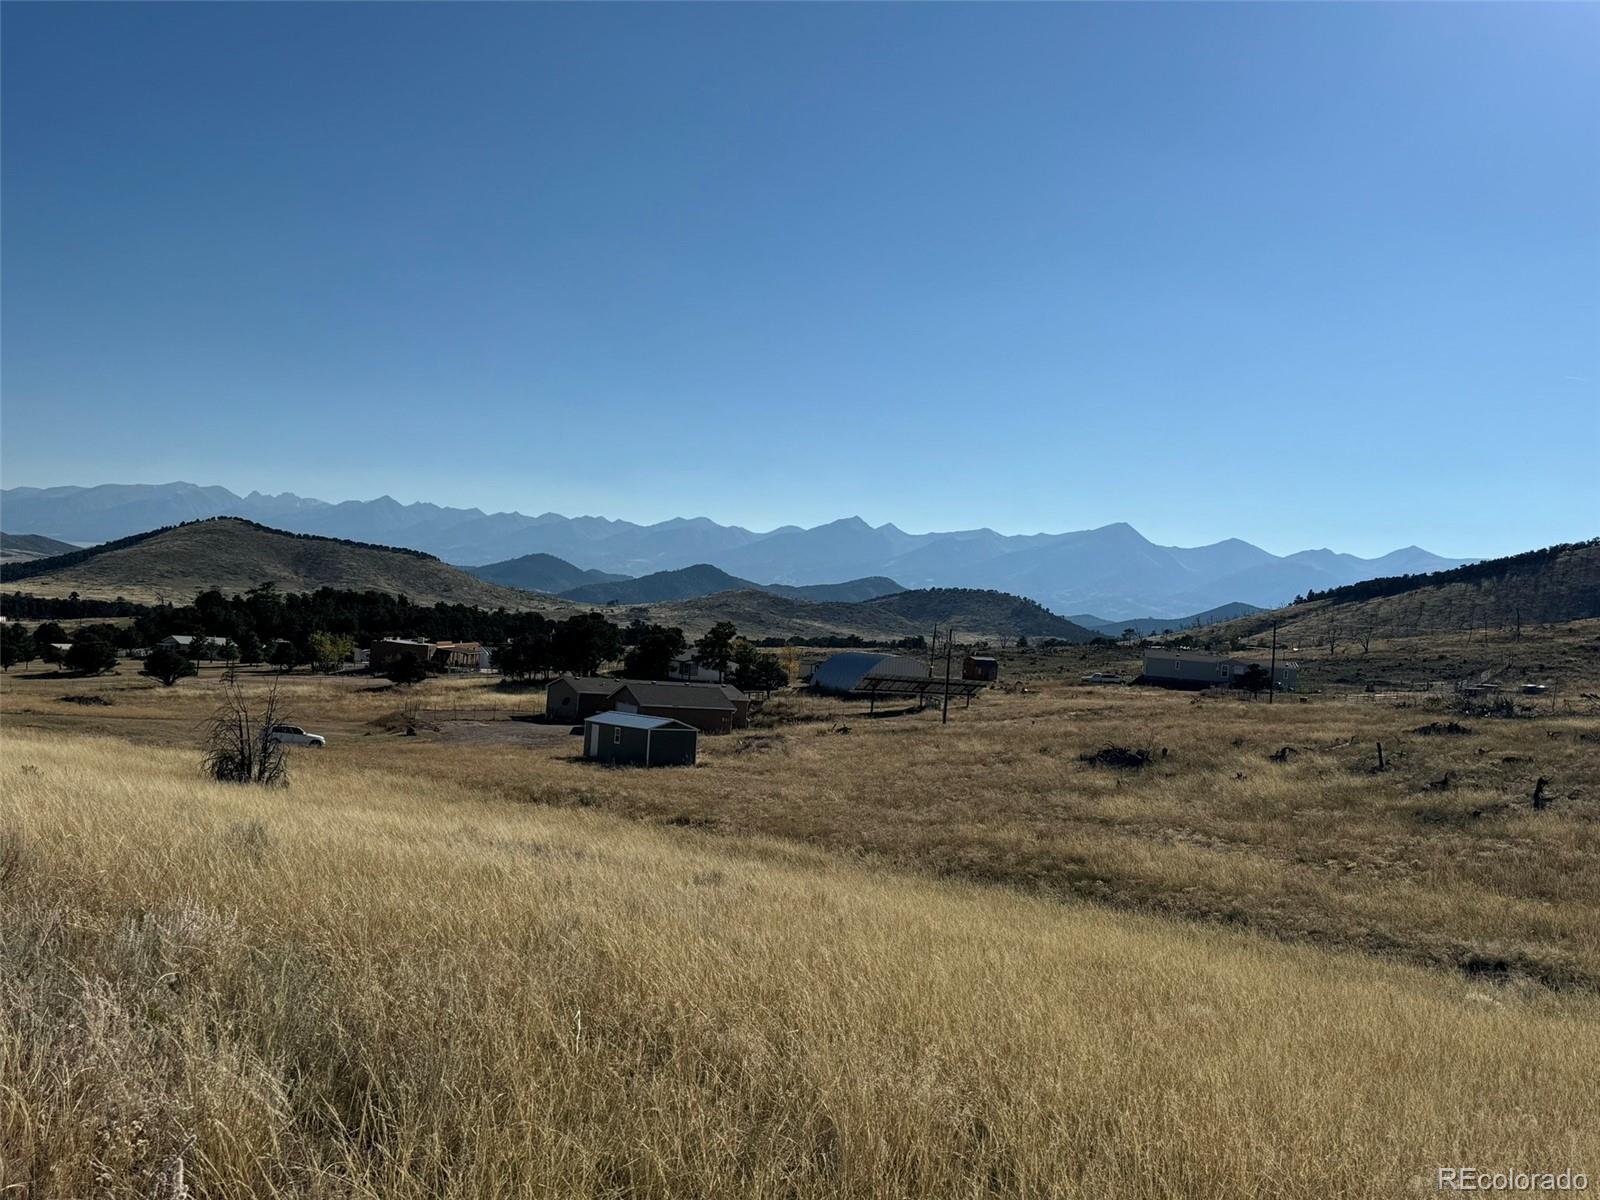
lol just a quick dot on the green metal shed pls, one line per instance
(634, 739)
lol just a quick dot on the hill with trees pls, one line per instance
(1556, 584)
(541, 573)
(906, 614)
(235, 555)
(228, 556)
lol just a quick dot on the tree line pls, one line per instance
(324, 627)
(1526, 563)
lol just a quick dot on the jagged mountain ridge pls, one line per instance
(1113, 570)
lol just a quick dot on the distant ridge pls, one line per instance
(22, 547)
(235, 555)
(540, 573)
(1145, 626)
(972, 612)
(1113, 570)
(980, 610)
(703, 579)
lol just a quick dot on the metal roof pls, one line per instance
(650, 694)
(602, 684)
(635, 721)
(844, 672)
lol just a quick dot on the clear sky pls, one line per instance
(1304, 274)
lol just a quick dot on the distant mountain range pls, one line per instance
(235, 555)
(1112, 571)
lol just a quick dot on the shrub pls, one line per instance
(239, 745)
(90, 656)
(168, 666)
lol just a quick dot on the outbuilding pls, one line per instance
(842, 674)
(386, 650)
(980, 667)
(709, 707)
(571, 698)
(1196, 669)
(639, 740)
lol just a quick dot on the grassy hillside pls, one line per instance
(976, 614)
(979, 611)
(235, 555)
(25, 547)
(852, 591)
(762, 614)
(378, 985)
(661, 587)
(1561, 583)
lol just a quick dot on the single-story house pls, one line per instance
(1194, 669)
(571, 698)
(386, 650)
(634, 739)
(709, 707)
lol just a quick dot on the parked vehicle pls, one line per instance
(293, 735)
(1103, 677)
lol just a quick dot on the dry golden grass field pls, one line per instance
(846, 955)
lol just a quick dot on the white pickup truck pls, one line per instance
(293, 735)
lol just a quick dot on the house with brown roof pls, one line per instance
(709, 707)
(574, 697)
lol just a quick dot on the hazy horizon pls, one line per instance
(535, 510)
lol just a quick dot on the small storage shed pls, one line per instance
(637, 740)
(980, 667)
(574, 697)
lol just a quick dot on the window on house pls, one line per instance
(616, 737)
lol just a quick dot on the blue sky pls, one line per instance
(1303, 274)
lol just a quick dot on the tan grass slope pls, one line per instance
(973, 612)
(235, 555)
(1541, 588)
(369, 986)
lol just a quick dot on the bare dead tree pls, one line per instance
(238, 742)
(1366, 639)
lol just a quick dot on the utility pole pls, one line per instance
(949, 653)
(1272, 678)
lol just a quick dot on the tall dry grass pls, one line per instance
(371, 985)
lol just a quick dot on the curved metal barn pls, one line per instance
(843, 673)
